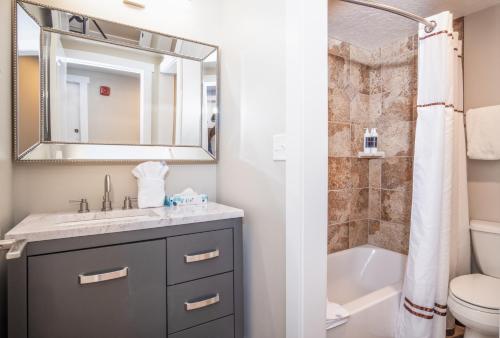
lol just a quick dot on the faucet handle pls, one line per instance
(84, 205)
(127, 202)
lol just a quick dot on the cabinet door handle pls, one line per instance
(201, 256)
(102, 277)
(190, 306)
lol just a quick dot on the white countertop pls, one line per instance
(42, 227)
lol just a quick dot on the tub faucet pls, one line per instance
(106, 200)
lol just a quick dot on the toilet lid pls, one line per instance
(485, 226)
(476, 289)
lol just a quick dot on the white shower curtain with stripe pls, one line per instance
(439, 236)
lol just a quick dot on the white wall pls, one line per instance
(5, 148)
(482, 83)
(48, 187)
(63, 183)
(188, 117)
(115, 118)
(252, 111)
(162, 128)
(252, 37)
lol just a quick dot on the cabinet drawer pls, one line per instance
(115, 291)
(221, 328)
(199, 301)
(199, 255)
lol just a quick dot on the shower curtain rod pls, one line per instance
(429, 25)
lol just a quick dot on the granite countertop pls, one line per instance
(42, 227)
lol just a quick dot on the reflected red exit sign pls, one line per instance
(105, 90)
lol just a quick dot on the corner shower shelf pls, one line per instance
(378, 154)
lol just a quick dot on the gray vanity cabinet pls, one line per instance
(114, 291)
(171, 282)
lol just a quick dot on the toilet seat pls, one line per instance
(477, 291)
(475, 301)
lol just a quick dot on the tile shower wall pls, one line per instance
(370, 200)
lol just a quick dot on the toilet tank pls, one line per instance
(486, 246)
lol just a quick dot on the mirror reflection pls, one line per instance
(28, 83)
(90, 81)
(109, 94)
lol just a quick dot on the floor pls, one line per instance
(459, 332)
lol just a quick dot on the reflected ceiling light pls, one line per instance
(134, 3)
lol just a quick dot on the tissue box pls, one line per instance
(199, 199)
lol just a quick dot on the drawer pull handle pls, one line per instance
(102, 277)
(202, 256)
(190, 306)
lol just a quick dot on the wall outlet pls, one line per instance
(279, 147)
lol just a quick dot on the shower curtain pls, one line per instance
(439, 235)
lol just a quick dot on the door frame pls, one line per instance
(306, 167)
(144, 70)
(83, 83)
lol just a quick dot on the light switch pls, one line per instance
(279, 147)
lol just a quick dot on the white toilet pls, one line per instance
(475, 299)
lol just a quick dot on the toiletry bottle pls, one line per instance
(374, 141)
(366, 142)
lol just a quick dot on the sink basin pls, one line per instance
(107, 220)
(123, 216)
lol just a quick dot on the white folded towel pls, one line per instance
(483, 141)
(151, 184)
(336, 315)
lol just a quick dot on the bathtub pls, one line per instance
(367, 281)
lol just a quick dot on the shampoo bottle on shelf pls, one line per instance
(366, 142)
(374, 141)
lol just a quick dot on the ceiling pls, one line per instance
(371, 28)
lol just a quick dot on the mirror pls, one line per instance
(89, 89)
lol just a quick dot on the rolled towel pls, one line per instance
(483, 142)
(336, 315)
(151, 184)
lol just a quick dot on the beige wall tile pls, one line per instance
(396, 206)
(397, 107)
(373, 226)
(339, 206)
(338, 237)
(339, 48)
(339, 173)
(359, 173)
(375, 75)
(375, 168)
(357, 133)
(358, 233)
(360, 108)
(371, 198)
(339, 139)
(359, 204)
(391, 236)
(397, 173)
(374, 199)
(396, 138)
(339, 105)
(375, 108)
(338, 69)
(364, 56)
(359, 77)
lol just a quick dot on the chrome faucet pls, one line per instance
(84, 205)
(106, 200)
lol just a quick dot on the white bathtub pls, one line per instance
(367, 281)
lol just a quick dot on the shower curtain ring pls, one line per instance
(429, 28)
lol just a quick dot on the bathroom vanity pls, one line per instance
(164, 272)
